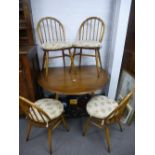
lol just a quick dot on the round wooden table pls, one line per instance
(83, 80)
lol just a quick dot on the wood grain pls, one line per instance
(113, 117)
(91, 29)
(83, 81)
(51, 30)
(32, 111)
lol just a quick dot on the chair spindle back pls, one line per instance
(92, 29)
(32, 111)
(50, 30)
(116, 114)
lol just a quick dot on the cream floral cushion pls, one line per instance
(87, 44)
(101, 106)
(52, 107)
(56, 45)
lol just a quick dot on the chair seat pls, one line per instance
(56, 45)
(52, 107)
(87, 44)
(100, 106)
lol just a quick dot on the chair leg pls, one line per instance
(70, 54)
(46, 64)
(28, 131)
(99, 56)
(107, 135)
(80, 57)
(44, 58)
(97, 63)
(86, 126)
(63, 55)
(50, 139)
(72, 60)
(120, 126)
(64, 123)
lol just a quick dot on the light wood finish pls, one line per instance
(99, 57)
(51, 30)
(84, 81)
(113, 117)
(80, 57)
(107, 136)
(47, 63)
(97, 61)
(28, 131)
(26, 105)
(49, 140)
(86, 126)
(65, 123)
(92, 29)
(72, 67)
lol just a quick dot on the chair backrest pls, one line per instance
(32, 111)
(92, 29)
(50, 30)
(117, 113)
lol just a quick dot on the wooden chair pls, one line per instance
(52, 38)
(44, 113)
(91, 34)
(103, 112)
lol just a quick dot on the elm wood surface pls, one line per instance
(91, 29)
(33, 119)
(83, 81)
(113, 118)
(51, 30)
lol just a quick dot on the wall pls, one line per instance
(118, 42)
(71, 14)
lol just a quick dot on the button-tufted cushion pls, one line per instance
(56, 45)
(87, 44)
(100, 106)
(52, 107)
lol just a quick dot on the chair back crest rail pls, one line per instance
(116, 114)
(50, 30)
(92, 29)
(32, 111)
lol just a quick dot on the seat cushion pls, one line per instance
(52, 107)
(56, 45)
(87, 44)
(100, 106)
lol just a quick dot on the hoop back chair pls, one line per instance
(103, 112)
(40, 114)
(91, 34)
(52, 38)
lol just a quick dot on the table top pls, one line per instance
(83, 80)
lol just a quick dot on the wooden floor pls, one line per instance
(81, 81)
